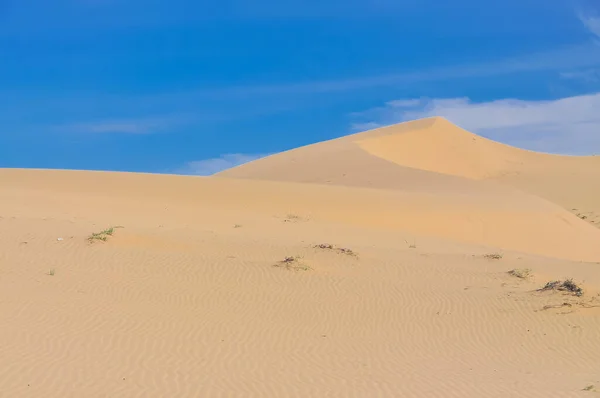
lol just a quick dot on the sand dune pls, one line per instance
(191, 297)
(400, 157)
(484, 215)
(432, 144)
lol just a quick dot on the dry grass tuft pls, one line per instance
(493, 256)
(522, 273)
(103, 235)
(292, 264)
(411, 245)
(564, 286)
(341, 250)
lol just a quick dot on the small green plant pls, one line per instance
(522, 273)
(51, 272)
(493, 256)
(102, 235)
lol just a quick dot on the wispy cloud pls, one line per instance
(405, 103)
(208, 167)
(591, 22)
(587, 75)
(566, 125)
(571, 57)
(591, 74)
(105, 15)
(208, 103)
(121, 126)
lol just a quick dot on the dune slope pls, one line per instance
(479, 214)
(190, 296)
(414, 155)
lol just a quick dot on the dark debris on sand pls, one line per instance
(564, 286)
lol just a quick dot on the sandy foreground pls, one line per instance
(408, 295)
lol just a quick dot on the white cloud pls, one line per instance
(124, 126)
(585, 55)
(587, 76)
(567, 125)
(592, 23)
(211, 166)
(407, 103)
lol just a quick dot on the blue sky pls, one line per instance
(195, 86)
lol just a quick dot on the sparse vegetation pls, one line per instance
(591, 387)
(342, 250)
(493, 256)
(557, 306)
(51, 272)
(522, 273)
(564, 286)
(102, 235)
(293, 218)
(292, 264)
(411, 245)
(348, 252)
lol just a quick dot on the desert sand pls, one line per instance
(373, 265)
